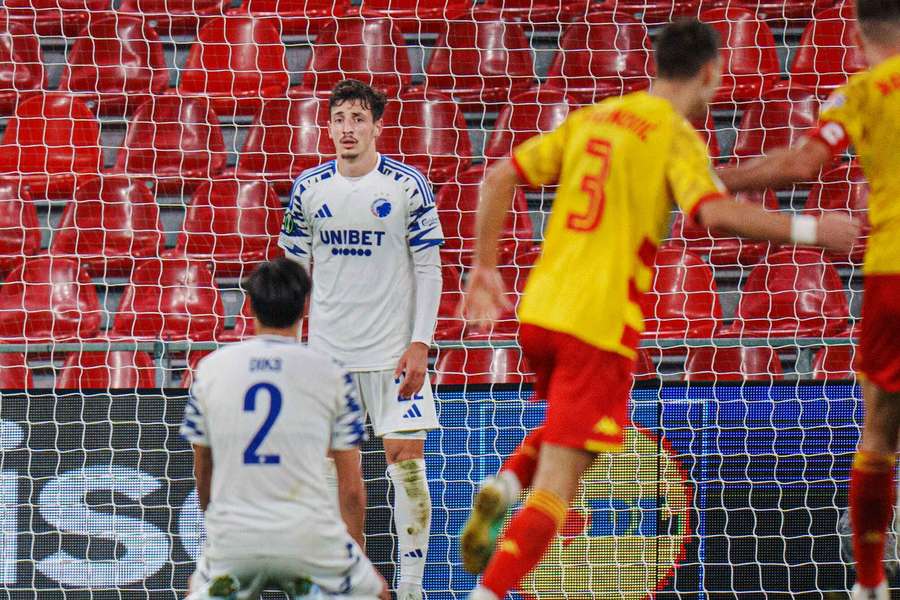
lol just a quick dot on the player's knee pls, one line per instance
(397, 450)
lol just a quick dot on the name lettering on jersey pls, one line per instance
(890, 85)
(356, 242)
(271, 365)
(626, 120)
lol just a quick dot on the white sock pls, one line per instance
(511, 486)
(331, 477)
(412, 517)
(482, 593)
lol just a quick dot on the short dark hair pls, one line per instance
(879, 20)
(278, 290)
(683, 47)
(353, 89)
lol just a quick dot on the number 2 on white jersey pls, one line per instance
(250, 452)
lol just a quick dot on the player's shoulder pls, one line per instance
(228, 359)
(314, 176)
(408, 177)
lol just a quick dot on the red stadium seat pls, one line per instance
(793, 293)
(457, 205)
(238, 61)
(835, 363)
(779, 11)
(516, 269)
(749, 60)
(287, 137)
(644, 368)
(480, 60)
(829, 51)
(51, 143)
(171, 17)
(295, 17)
(534, 111)
(427, 131)
(233, 224)
(654, 11)
(683, 302)
(21, 65)
(707, 130)
(48, 298)
(116, 369)
(846, 190)
(781, 117)
(540, 13)
(243, 325)
(450, 322)
(370, 50)
(20, 231)
(722, 250)
(416, 16)
(176, 141)
(757, 363)
(14, 372)
(606, 55)
(172, 299)
(472, 366)
(112, 222)
(115, 65)
(54, 17)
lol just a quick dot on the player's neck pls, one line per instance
(358, 166)
(292, 332)
(676, 93)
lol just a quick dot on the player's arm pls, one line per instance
(351, 492)
(780, 168)
(194, 429)
(295, 238)
(203, 469)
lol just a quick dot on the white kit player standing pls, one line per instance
(261, 418)
(369, 226)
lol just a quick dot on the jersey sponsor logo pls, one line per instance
(632, 510)
(351, 242)
(381, 208)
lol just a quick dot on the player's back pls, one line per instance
(619, 165)
(272, 408)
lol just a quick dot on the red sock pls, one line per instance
(871, 509)
(523, 462)
(525, 541)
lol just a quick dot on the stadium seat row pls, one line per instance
(117, 62)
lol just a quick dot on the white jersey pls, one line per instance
(270, 409)
(365, 237)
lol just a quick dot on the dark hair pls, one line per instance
(352, 89)
(879, 19)
(683, 47)
(277, 291)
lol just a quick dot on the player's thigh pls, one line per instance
(879, 349)
(391, 415)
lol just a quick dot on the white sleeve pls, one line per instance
(193, 425)
(348, 430)
(425, 239)
(295, 236)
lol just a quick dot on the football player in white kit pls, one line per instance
(261, 417)
(369, 226)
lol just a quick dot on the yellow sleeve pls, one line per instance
(538, 160)
(689, 173)
(840, 115)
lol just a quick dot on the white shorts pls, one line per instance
(393, 416)
(339, 569)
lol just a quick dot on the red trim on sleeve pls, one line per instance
(522, 174)
(711, 197)
(832, 134)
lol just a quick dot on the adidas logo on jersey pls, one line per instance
(324, 212)
(412, 413)
(417, 553)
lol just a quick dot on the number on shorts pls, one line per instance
(250, 453)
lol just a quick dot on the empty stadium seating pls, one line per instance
(683, 301)
(243, 325)
(288, 136)
(843, 189)
(174, 17)
(783, 115)
(54, 17)
(754, 363)
(606, 55)
(472, 366)
(14, 372)
(232, 224)
(170, 299)
(450, 322)
(480, 60)
(21, 65)
(457, 204)
(47, 298)
(371, 50)
(654, 11)
(834, 363)
(828, 51)
(112, 222)
(415, 16)
(116, 369)
(536, 110)
(20, 234)
(175, 141)
(50, 144)
(749, 59)
(644, 369)
(294, 17)
(238, 62)
(115, 65)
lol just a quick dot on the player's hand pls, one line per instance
(385, 591)
(837, 232)
(412, 367)
(485, 297)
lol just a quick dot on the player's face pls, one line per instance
(353, 130)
